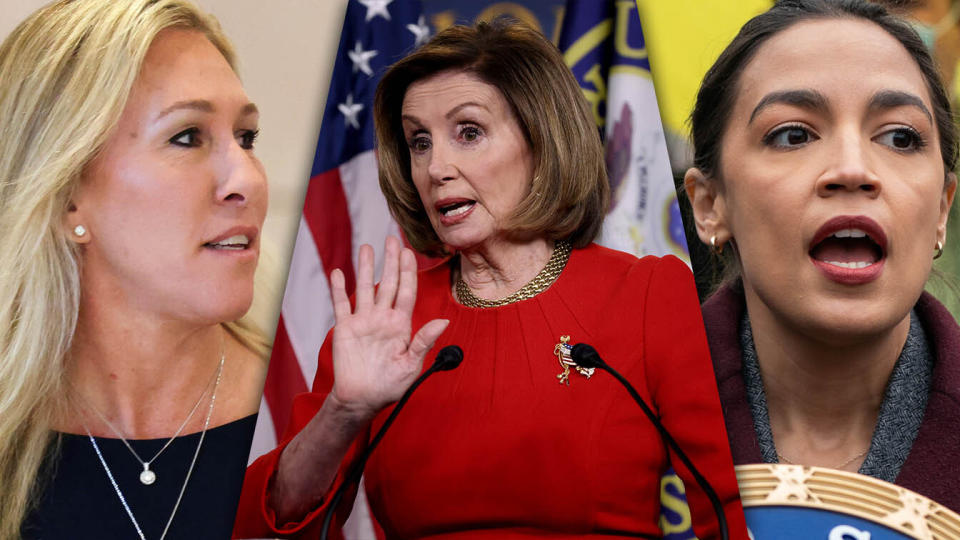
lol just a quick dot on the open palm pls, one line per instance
(375, 358)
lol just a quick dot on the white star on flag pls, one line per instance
(376, 7)
(350, 111)
(361, 59)
(420, 31)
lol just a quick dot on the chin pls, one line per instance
(237, 306)
(222, 303)
(844, 322)
(465, 239)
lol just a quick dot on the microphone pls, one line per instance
(447, 359)
(586, 356)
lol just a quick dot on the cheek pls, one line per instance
(512, 177)
(754, 207)
(422, 184)
(261, 194)
(764, 219)
(917, 214)
(142, 206)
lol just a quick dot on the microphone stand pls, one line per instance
(448, 358)
(586, 356)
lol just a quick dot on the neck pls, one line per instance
(142, 374)
(823, 397)
(499, 268)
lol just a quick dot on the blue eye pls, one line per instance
(187, 138)
(248, 138)
(790, 136)
(903, 139)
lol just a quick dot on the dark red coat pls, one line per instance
(933, 466)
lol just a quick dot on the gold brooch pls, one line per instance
(563, 352)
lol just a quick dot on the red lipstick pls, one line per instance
(849, 250)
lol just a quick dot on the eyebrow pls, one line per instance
(891, 99)
(414, 120)
(411, 119)
(205, 106)
(464, 105)
(805, 99)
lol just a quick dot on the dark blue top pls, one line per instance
(78, 501)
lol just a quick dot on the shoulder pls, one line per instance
(722, 313)
(595, 261)
(433, 288)
(439, 271)
(613, 284)
(944, 335)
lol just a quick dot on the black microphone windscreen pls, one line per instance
(448, 358)
(586, 356)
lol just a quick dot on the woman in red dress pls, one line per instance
(488, 152)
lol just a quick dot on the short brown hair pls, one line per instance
(569, 192)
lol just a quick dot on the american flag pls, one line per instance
(343, 209)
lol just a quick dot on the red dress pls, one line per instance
(499, 449)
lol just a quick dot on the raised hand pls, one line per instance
(375, 358)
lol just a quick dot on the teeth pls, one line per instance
(458, 210)
(849, 233)
(858, 264)
(237, 242)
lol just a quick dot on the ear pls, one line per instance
(709, 206)
(946, 200)
(74, 224)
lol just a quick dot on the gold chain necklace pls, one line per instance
(540, 282)
(839, 467)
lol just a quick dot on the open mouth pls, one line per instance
(848, 248)
(237, 242)
(456, 208)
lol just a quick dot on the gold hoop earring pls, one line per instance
(717, 250)
(939, 252)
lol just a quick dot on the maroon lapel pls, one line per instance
(721, 317)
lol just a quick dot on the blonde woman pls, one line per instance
(130, 208)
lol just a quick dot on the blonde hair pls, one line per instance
(65, 75)
(569, 191)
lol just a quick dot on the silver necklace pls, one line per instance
(193, 462)
(148, 476)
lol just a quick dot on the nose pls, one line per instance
(849, 169)
(241, 178)
(441, 167)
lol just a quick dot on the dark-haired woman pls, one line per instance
(475, 160)
(824, 147)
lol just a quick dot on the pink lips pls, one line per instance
(851, 276)
(448, 220)
(249, 251)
